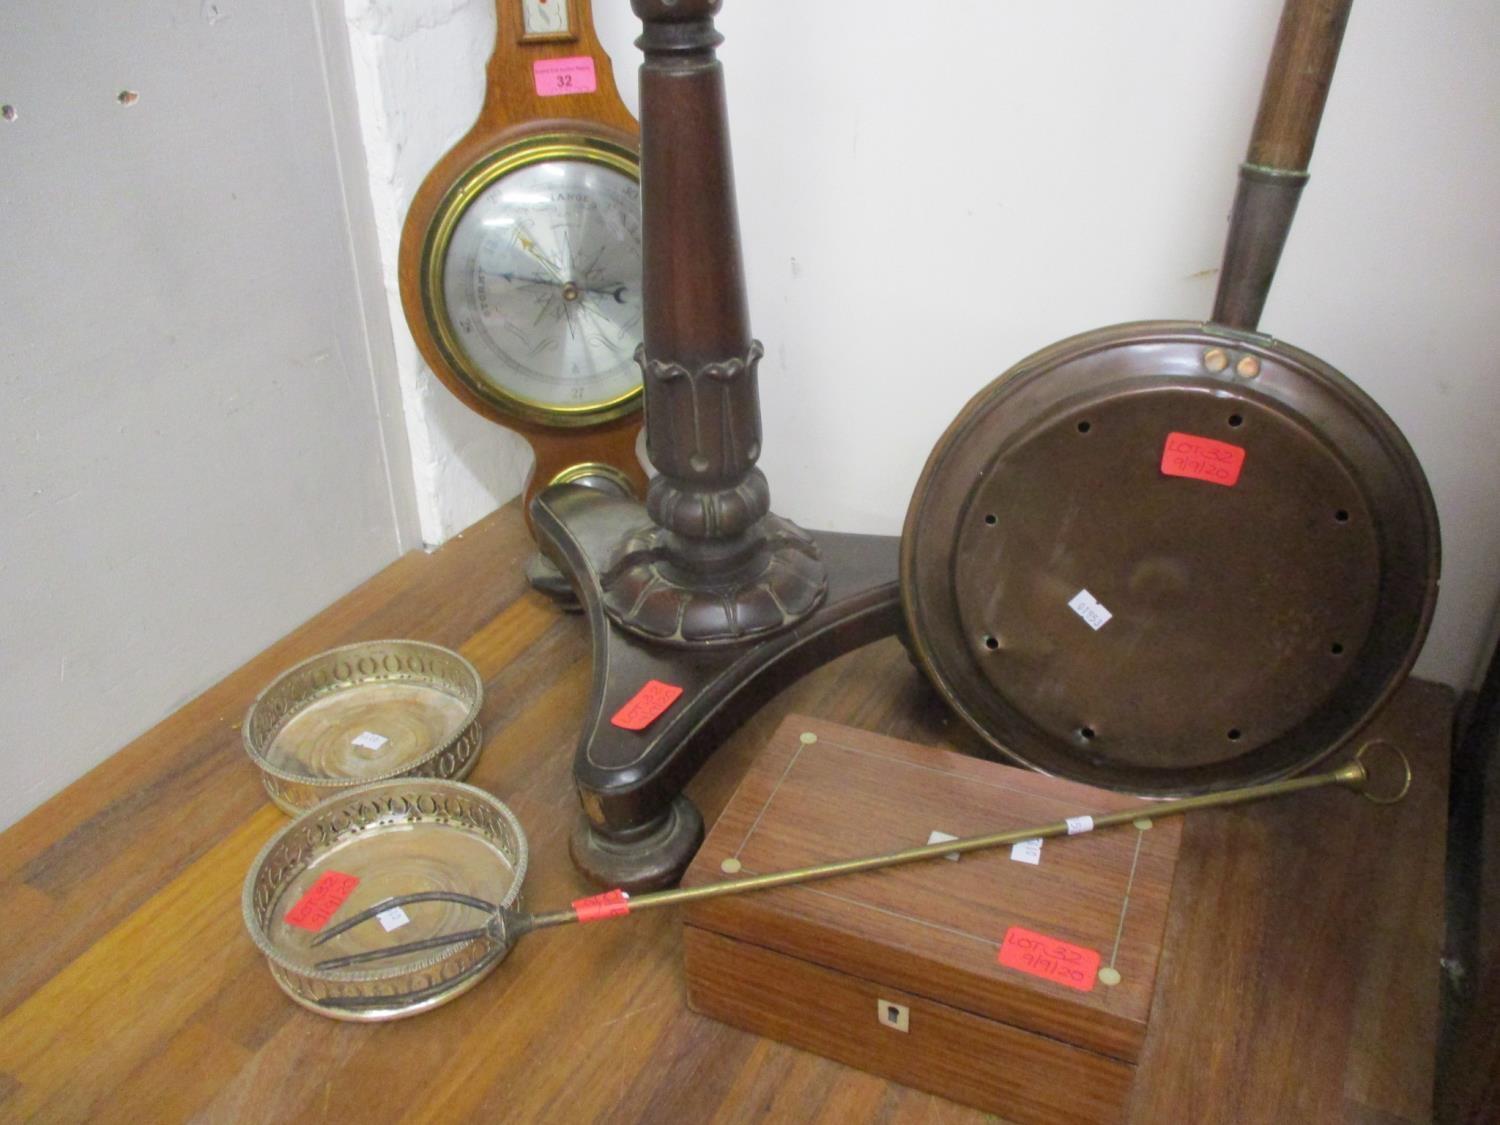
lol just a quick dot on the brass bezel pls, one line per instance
(585, 469)
(455, 202)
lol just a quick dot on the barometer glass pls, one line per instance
(534, 282)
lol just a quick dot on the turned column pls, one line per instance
(701, 591)
(715, 566)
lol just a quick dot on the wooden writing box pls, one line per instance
(897, 971)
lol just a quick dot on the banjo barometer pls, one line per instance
(521, 254)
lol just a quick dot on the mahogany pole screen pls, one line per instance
(701, 602)
(716, 567)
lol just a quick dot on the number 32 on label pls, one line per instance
(564, 76)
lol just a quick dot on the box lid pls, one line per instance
(989, 933)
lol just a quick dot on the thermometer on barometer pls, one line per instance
(544, 18)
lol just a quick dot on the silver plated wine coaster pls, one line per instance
(363, 713)
(444, 843)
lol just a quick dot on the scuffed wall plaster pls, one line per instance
(195, 454)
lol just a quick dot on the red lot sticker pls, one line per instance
(611, 904)
(646, 706)
(322, 900)
(1050, 959)
(1201, 458)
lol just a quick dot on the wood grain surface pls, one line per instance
(1297, 81)
(933, 928)
(976, 1061)
(813, 965)
(1299, 981)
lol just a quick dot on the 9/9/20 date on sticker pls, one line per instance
(646, 706)
(1058, 961)
(321, 901)
(1201, 458)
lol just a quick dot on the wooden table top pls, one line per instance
(1299, 983)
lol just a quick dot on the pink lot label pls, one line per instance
(555, 77)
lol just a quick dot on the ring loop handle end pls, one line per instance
(1389, 748)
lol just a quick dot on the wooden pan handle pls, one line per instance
(1281, 144)
(1297, 81)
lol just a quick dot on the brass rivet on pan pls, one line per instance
(1248, 367)
(1216, 359)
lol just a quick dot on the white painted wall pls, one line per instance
(419, 71)
(201, 436)
(923, 205)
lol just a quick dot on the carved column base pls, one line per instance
(647, 591)
(638, 831)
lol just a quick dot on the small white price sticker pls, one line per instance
(393, 919)
(370, 740)
(943, 838)
(1027, 851)
(1077, 824)
(1090, 609)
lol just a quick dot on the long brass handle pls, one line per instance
(505, 926)
(1355, 775)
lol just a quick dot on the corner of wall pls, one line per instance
(418, 73)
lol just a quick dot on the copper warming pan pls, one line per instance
(1170, 557)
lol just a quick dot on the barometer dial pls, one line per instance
(532, 281)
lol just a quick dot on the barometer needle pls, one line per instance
(615, 291)
(529, 245)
